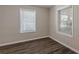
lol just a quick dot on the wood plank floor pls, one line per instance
(41, 46)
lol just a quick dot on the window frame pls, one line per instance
(57, 19)
(22, 17)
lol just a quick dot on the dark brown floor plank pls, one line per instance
(41, 46)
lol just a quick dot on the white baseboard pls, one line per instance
(65, 45)
(4, 44)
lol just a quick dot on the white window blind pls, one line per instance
(28, 20)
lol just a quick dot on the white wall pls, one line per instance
(10, 24)
(72, 42)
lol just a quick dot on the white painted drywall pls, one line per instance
(69, 41)
(10, 24)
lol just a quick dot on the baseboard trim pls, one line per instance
(65, 45)
(10, 43)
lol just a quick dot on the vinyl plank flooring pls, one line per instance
(40, 46)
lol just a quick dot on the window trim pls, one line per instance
(57, 16)
(21, 17)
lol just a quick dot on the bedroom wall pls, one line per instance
(10, 24)
(72, 42)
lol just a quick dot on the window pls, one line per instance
(28, 20)
(65, 18)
